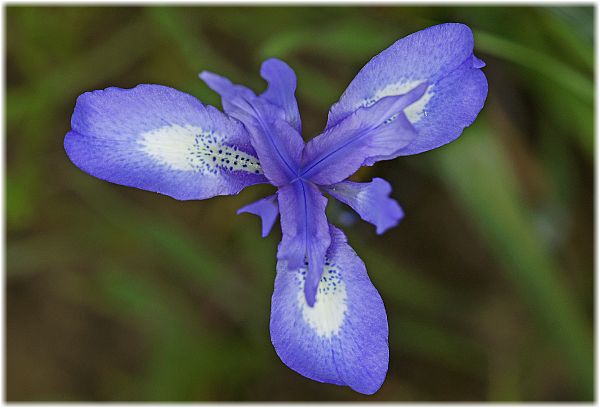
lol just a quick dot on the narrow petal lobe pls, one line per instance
(267, 209)
(305, 231)
(343, 338)
(281, 89)
(230, 93)
(371, 201)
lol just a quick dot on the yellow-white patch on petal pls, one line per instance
(414, 112)
(327, 315)
(190, 148)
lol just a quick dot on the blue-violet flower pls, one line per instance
(328, 321)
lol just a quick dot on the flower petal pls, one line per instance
(371, 201)
(459, 97)
(305, 231)
(281, 88)
(278, 145)
(367, 134)
(267, 209)
(343, 338)
(280, 91)
(441, 56)
(276, 142)
(233, 97)
(159, 139)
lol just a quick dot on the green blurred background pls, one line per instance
(115, 294)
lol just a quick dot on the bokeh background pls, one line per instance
(115, 294)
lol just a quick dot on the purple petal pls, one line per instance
(367, 134)
(477, 63)
(281, 81)
(343, 338)
(280, 91)
(371, 201)
(459, 97)
(159, 139)
(234, 98)
(267, 209)
(441, 56)
(276, 142)
(305, 231)
(278, 145)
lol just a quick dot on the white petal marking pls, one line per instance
(416, 111)
(190, 148)
(327, 315)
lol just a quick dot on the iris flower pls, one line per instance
(328, 321)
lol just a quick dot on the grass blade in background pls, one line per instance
(557, 71)
(478, 173)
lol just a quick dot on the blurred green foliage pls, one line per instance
(115, 294)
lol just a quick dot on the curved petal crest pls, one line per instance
(305, 231)
(281, 90)
(371, 201)
(267, 209)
